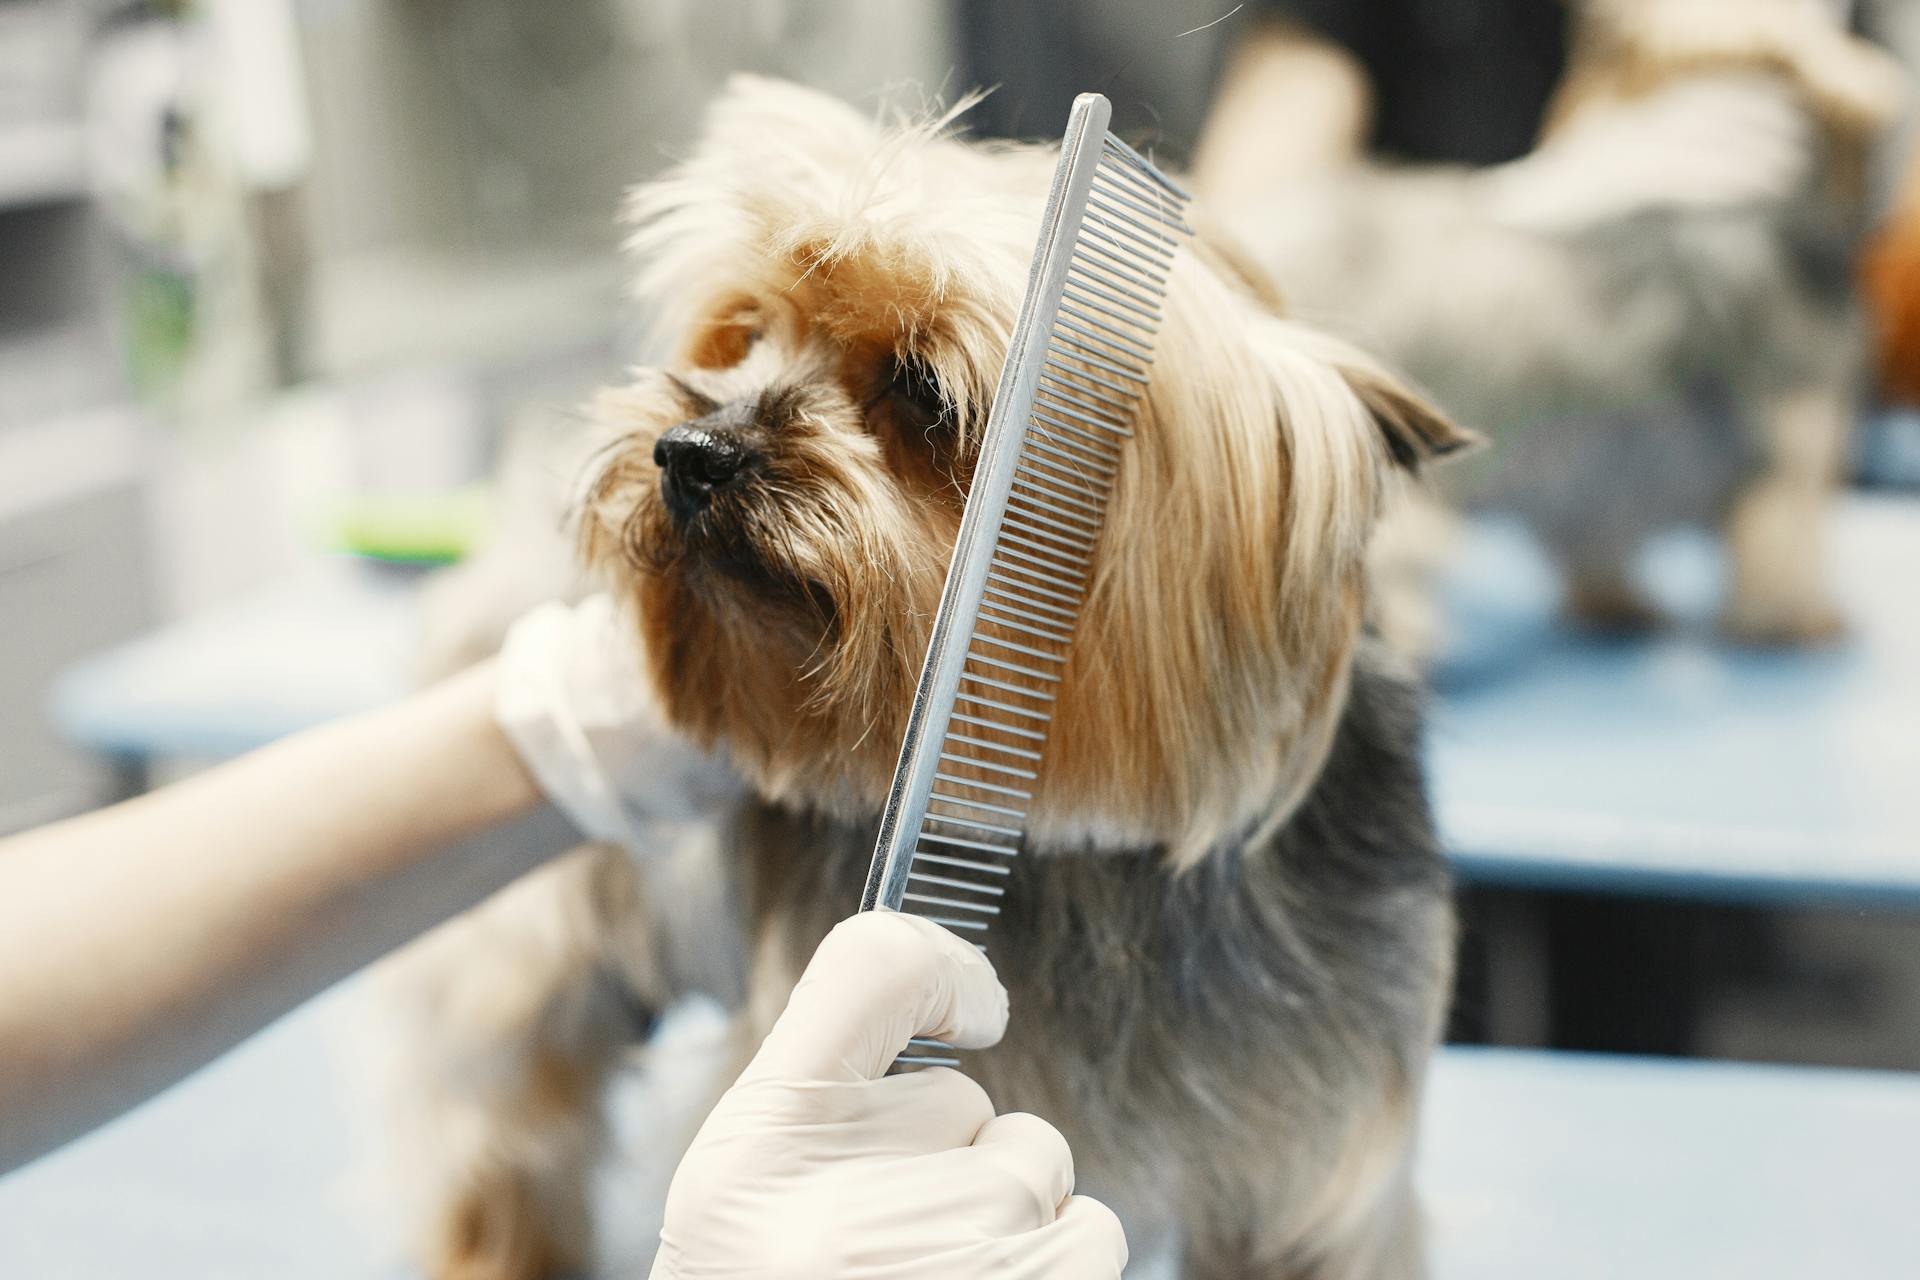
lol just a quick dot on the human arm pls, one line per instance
(140, 941)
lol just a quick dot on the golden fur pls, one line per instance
(799, 260)
(1227, 586)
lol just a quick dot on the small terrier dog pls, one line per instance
(1229, 942)
(1679, 363)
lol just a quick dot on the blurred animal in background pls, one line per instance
(1890, 278)
(1652, 315)
(1229, 944)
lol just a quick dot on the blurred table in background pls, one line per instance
(1678, 765)
(1591, 1167)
(1532, 1165)
(334, 639)
(1641, 824)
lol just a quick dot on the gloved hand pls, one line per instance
(577, 707)
(1701, 142)
(818, 1165)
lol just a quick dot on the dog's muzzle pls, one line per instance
(699, 458)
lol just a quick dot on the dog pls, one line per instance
(1684, 359)
(1228, 942)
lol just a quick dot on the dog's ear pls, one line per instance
(1416, 432)
(1412, 427)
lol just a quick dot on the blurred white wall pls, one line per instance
(483, 121)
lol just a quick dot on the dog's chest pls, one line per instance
(1173, 1029)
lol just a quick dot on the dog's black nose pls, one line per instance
(695, 458)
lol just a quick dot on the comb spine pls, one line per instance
(933, 698)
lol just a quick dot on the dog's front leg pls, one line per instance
(500, 1029)
(1776, 536)
(1384, 1243)
(1351, 1217)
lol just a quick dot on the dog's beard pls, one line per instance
(728, 550)
(773, 542)
(784, 618)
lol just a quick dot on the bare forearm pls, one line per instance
(139, 942)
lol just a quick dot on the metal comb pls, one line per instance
(1056, 435)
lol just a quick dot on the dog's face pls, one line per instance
(780, 503)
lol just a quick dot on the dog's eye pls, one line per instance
(915, 395)
(726, 342)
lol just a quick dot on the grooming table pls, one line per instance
(1681, 766)
(1587, 1167)
(1533, 1164)
(336, 638)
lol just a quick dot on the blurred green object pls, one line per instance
(161, 315)
(413, 528)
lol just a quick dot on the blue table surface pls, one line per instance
(1672, 765)
(1680, 764)
(334, 639)
(1532, 1165)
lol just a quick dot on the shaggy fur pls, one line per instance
(1678, 365)
(1229, 945)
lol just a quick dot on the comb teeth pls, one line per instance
(1023, 565)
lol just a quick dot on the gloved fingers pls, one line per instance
(1015, 1178)
(914, 1114)
(907, 1115)
(878, 979)
(655, 774)
(1085, 1242)
(576, 702)
(1031, 1168)
(534, 708)
(921, 1112)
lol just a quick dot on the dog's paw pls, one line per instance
(498, 1231)
(1798, 625)
(1611, 607)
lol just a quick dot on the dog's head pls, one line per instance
(780, 502)
(1624, 49)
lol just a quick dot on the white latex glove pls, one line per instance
(817, 1165)
(581, 713)
(1700, 142)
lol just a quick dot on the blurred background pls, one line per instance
(296, 294)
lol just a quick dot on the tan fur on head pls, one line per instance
(1626, 48)
(804, 255)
